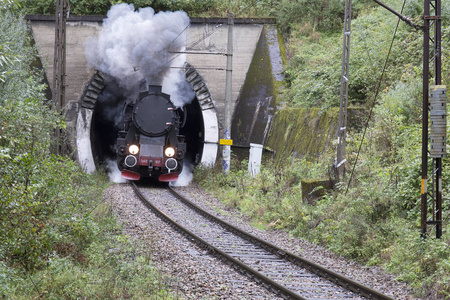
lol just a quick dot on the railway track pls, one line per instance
(285, 274)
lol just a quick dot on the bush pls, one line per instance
(56, 232)
(27, 200)
(315, 68)
(423, 263)
(101, 7)
(273, 196)
(325, 15)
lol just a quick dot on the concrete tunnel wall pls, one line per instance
(206, 73)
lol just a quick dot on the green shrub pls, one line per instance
(101, 7)
(273, 196)
(423, 263)
(56, 232)
(315, 67)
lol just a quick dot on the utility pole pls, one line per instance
(339, 164)
(59, 64)
(438, 115)
(437, 108)
(425, 84)
(439, 87)
(228, 95)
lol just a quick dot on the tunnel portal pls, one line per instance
(101, 109)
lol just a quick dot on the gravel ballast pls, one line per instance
(201, 276)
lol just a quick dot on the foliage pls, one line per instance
(31, 192)
(101, 7)
(314, 69)
(110, 267)
(271, 197)
(56, 232)
(6, 56)
(9, 4)
(321, 15)
(26, 124)
(313, 72)
(324, 15)
(424, 263)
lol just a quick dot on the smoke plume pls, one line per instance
(141, 45)
(186, 175)
(114, 172)
(136, 46)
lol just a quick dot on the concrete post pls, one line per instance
(228, 96)
(254, 161)
(342, 128)
(59, 66)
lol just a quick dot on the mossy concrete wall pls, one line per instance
(308, 132)
(303, 131)
(257, 100)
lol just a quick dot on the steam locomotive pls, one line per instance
(148, 142)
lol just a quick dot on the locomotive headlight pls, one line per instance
(169, 152)
(133, 149)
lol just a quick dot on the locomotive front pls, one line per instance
(148, 143)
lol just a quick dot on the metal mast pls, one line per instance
(342, 128)
(436, 104)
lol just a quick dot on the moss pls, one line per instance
(282, 47)
(256, 98)
(294, 132)
(313, 189)
(303, 132)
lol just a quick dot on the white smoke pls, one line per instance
(136, 45)
(133, 46)
(185, 176)
(114, 172)
(178, 88)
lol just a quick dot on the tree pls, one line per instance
(5, 56)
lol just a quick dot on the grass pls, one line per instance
(109, 266)
(370, 224)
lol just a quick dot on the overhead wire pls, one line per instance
(201, 36)
(168, 46)
(374, 101)
(198, 38)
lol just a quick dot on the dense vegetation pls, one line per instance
(377, 220)
(51, 228)
(59, 238)
(322, 15)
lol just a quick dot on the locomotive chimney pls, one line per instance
(154, 89)
(146, 89)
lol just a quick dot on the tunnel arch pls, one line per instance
(203, 106)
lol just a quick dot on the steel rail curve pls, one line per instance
(341, 280)
(242, 268)
(250, 272)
